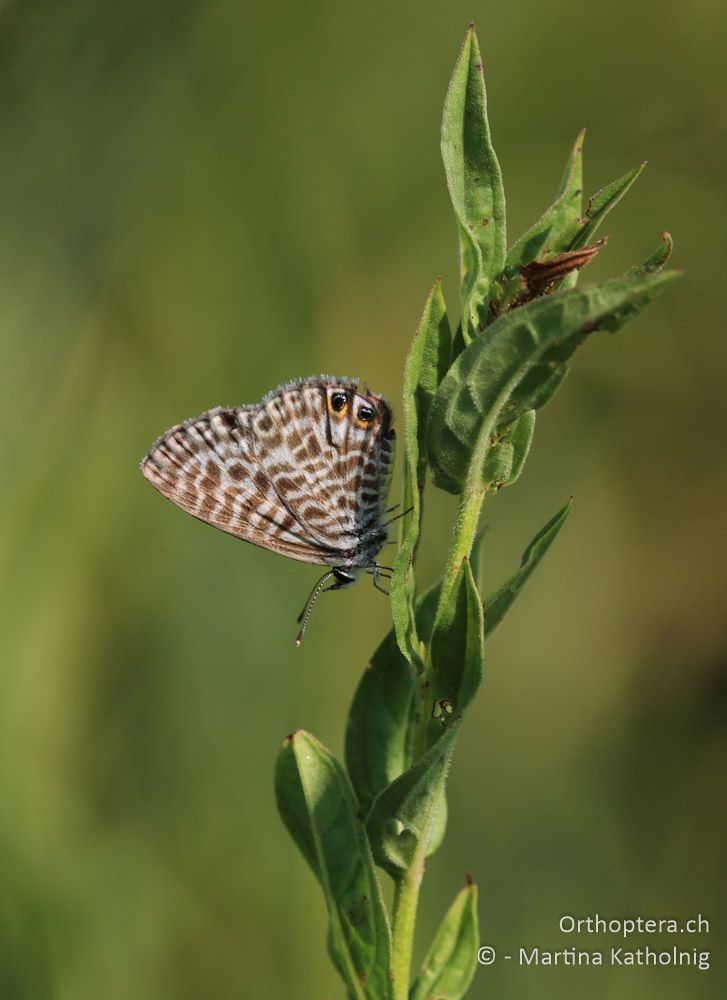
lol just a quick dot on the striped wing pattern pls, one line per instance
(289, 474)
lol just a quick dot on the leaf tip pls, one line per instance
(469, 878)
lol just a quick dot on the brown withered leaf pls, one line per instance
(540, 275)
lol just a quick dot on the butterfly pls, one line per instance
(305, 472)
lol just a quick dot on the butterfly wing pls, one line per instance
(208, 467)
(294, 448)
(331, 467)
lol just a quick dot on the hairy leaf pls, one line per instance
(556, 228)
(376, 749)
(601, 204)
(519, 365)
(457, 651)
(451, 962)
(656, 260)
(475, 184)
(426, 365)
(505, 459)
(319, 808)
(379, 729)
(406, 813)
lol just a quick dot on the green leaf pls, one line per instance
(426, 365)
(657, 259)
(499, 603)
(376, 749)
(601, 204)
(477, 556)
(458, 344)
(557, 227)
(319, 809)
(451, 962)
(406, 815)
(475, 184)
(377, 738)
(439, 824)
(518, 367)
(457, 651)
(505, 459)
(521, 437)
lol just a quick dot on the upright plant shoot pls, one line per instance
(470, 401)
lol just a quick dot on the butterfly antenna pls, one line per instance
(308, 606)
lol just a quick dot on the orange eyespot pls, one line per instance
(365, 416)
(338, 401)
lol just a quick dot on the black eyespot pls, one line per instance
(366, 414)
(338, 401)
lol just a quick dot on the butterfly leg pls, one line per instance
(396, 518)
(377, 574)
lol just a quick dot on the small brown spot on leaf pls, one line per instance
(485, 222)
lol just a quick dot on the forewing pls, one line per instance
(208, 467)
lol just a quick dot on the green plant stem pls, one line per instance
(465, 529)
(463, 536)
(406, 899)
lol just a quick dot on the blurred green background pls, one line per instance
(200, 201)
